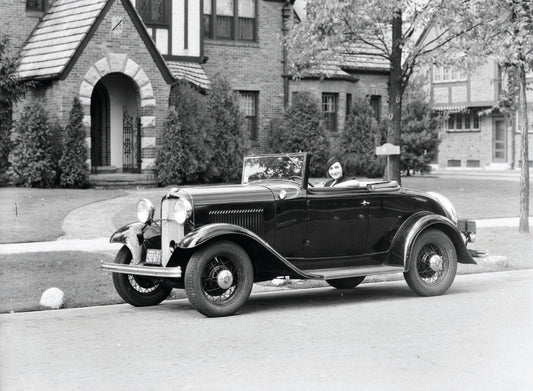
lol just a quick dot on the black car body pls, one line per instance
(215, 241)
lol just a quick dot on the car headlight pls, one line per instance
(182, 210)
(145, 210)
(446, 205)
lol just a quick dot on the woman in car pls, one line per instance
(336, 172)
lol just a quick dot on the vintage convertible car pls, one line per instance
(216, 241)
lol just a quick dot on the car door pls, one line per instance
(336, 226)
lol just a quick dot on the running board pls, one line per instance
(343, 272)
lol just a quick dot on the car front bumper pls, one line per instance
(141, 270)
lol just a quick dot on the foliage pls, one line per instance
(419, 134)
(73, 163)
(302, 130)
(357, 147)
(11, 90)
(392, 30)
(32, 158)
(184, 155)
(228, 138)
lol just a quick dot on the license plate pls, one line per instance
(153, 257)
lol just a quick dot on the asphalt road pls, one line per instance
(378, 336)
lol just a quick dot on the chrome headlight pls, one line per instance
(145, 210)
(182, 210)
(446, 205)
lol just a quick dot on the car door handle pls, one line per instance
(365, 203)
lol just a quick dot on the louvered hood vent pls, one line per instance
(251, 219)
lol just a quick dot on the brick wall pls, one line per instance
(17, 23)
(254, 66)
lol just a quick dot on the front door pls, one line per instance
(499, 141)
(131, 131)
(100, 128)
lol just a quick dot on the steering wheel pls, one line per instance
(298, 178)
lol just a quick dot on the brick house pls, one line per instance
(122, 58)
(476, 134)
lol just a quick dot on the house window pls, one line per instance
(463, 122)
(446, 74)
(329, 110)
(248, 105)
(348, 104)
(36, 5)
(154, 12)
(375, 103)
(231, 19)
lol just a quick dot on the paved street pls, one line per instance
(378, 336)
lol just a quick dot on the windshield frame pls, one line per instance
(305, 160)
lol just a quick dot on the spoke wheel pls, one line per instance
(346, 283)
(219, 279)
(138, 290)
(432, 264)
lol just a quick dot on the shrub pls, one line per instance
(302, 130)
(32, 157)
(73, 162)
(11, 89)
(419, 135)
(228, 139)
(184, 157)
(357, 147)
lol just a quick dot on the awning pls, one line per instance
(190, 71)
(452, 109)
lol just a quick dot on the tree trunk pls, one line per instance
(392, 171)
(524, 155)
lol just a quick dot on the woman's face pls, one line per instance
(335, 170)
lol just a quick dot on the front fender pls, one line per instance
(244, 237)
(406, 236)
(134, 235)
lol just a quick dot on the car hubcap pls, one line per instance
(225, 279)
(432, 264)
(220, 280)
(436, 263)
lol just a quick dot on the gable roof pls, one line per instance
(62, 34)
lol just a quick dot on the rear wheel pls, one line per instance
(219, 279)
(139, 291)
(346, 283)
(432, 264)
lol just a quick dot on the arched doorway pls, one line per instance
(115, 125)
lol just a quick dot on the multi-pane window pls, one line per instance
(445, 74)
(36, 5)
(463, 122)
(230, 19)
(248, 106)
(329, 111)
(154, 12)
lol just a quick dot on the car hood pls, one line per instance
(223, 194)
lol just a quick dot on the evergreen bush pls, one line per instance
(73, 162)
(357, 147)
(302, 130)
(228, 140)
(11, 89)
(32, 158)
(420, 140)
(189, 161)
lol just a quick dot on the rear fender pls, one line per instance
(406, 236)
(134, 235)
(261, 253)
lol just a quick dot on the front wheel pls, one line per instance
(138, 290)
(219, 279)
(432, 264)
(346, 283)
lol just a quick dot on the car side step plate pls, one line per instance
(343, 272)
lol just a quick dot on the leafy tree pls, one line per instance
(228, 138)
(419, 132)
(32, 157)
(184, 155)
(73, 163)
(302, 130)
(357, 147)
(387, 29)
(11, 90)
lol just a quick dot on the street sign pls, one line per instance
(388, 149)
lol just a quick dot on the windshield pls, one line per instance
(283, 166)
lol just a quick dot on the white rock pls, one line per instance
(52, 298)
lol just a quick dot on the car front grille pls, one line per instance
(170, 230)
(251, 219)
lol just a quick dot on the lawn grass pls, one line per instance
(29, 215)
(24, 277)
